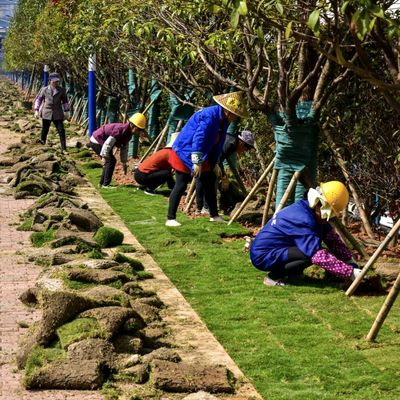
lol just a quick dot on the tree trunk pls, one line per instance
(356, 197)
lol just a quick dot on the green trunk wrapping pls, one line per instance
(296, 147)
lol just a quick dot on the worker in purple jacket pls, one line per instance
(292, 240)
(51, 104)
(106, 138)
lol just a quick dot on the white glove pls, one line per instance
(36, 114)
(197, 170)
(67, 115)
(355, 274)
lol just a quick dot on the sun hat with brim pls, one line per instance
(232, 102)
(172, 139)
(54, 77)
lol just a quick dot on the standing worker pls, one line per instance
(233, 146)
(54, 109)
(104, 139)
(197, 150)
(292, 240)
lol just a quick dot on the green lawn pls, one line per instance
(301, 342)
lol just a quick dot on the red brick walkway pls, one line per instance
(17, 275)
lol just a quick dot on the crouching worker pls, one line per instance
(106, 138)
(292, 240)
(154, 171)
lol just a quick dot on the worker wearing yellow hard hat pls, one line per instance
(292, 240)
(108, 136)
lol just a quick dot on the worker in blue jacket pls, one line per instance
(292, 239)
(197, 149)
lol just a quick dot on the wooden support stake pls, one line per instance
(148, 106)
(346, 235)
(343, 166)
(160, 139)
(154, 142)
(384, 311)
(288, 191)
(189, 204)
(269, 196)
(373, 258)
(75, 114)
(192, 188)
(250, 195)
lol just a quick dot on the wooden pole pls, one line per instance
(288, 191)
(384, 311)
(148, 106)
(269, 196)
(373, 258)
(160, 140)
(250, 195)
(346, 235)
(189, 204)
(343, 166)
(192, 188)
(75, 114)
(163, 131)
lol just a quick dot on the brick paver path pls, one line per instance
(17, 275)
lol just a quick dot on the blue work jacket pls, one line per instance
(295, 225)
(200, 134)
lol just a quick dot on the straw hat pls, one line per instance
(233, 102)
(172, 139)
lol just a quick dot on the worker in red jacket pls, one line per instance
(154, 171)
(106, 138)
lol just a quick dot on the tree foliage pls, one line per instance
(276, 51)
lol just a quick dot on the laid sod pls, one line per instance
(303, 342)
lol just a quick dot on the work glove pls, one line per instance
(67, 115)
(197, 170)
(217, 171)
(355, 274)
(36, 114)
(224, 183)
(125, 168)
(196, 158)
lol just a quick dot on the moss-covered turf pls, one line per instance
(300, 342)
(40, 357)
(79, 329)
(39, 239)
(107, 236)
(136, 265)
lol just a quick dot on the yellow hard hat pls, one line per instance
(336, 195)
(233, 102)
(139, 120)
